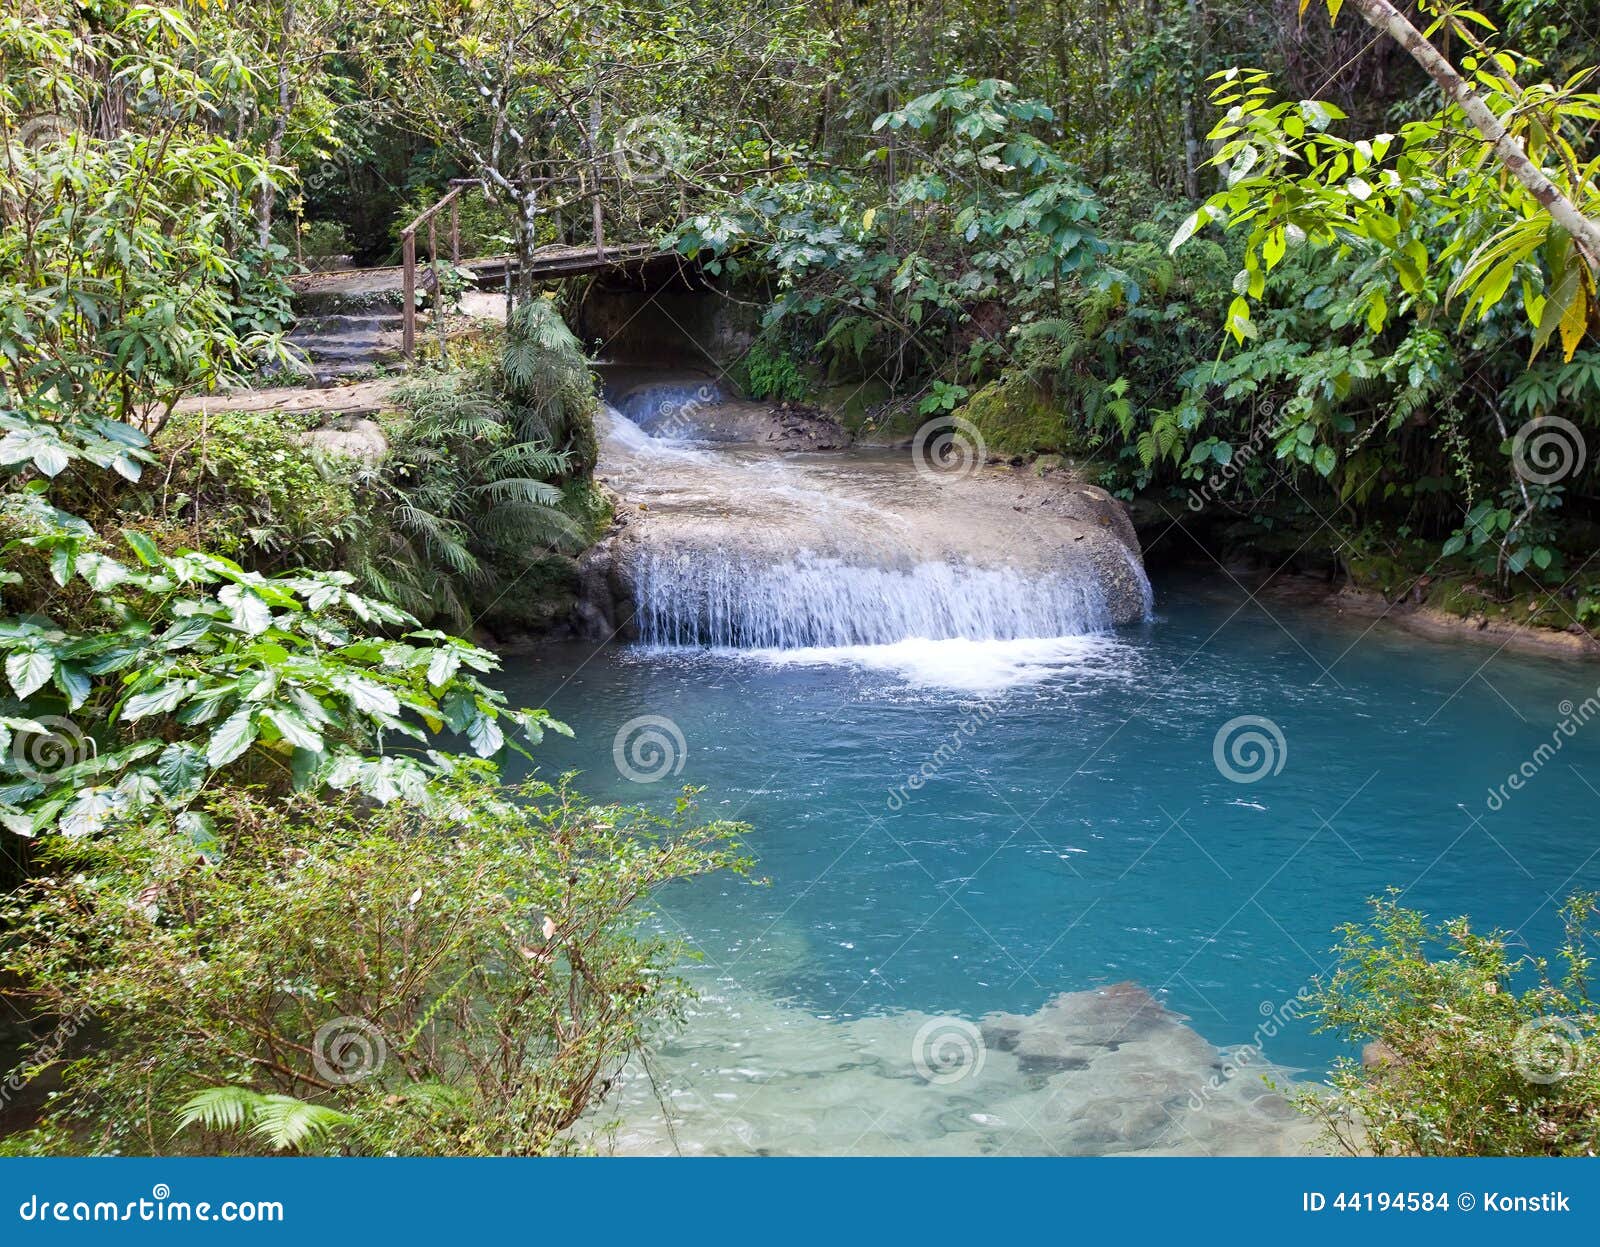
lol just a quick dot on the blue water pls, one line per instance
(1076, 829)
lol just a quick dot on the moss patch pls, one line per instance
(1015, 417)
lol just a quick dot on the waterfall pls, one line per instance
(705, 598)
(731, 546)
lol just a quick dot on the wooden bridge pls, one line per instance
(552, 263)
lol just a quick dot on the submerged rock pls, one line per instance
(1110, 1071)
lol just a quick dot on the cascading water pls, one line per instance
(730, 545)
(810, 601)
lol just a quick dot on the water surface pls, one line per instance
(952, 829)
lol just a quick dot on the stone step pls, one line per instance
(370, 321)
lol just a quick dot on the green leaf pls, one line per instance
(180, 769)
(142, 546)
(162, 700)
(28, 671)
(442, 667)
(249, 613)
(486, 737)
(233, 736)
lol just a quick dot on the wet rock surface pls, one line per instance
(737, 515)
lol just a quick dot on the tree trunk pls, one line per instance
(267, 198)
(527, 243)
(1585, 231)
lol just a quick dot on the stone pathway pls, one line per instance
(350, 325)
(358, 398)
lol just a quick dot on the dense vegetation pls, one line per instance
(1239, 261)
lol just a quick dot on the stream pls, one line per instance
(1047, 857)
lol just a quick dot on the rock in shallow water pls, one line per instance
(1103, 1072)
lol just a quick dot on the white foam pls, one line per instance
(963, 664)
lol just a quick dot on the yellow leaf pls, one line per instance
(1575, 321)
(868, 217)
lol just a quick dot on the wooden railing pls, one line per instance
(408, 255)
(589, 187)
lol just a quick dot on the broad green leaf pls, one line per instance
(232, 737)
(27, 671)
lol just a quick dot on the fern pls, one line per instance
(472, 475)
(284, 1123)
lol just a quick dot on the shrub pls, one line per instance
(461, 976)
(1471, 1052)
(246, 483)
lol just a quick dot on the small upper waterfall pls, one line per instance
(723, 542)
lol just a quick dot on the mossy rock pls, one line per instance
(1015, 417)
(850, 404)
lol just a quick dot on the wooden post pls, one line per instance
(595, 160)
(408, 291)
(438, 289)
(455, 231)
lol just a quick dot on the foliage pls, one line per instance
(459, 976)
(186, 664)
(470, 496)
(1481, 1053)
(467, 500)
(123, 278)
(1293, 181)
(248, 485)
(772, 372)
